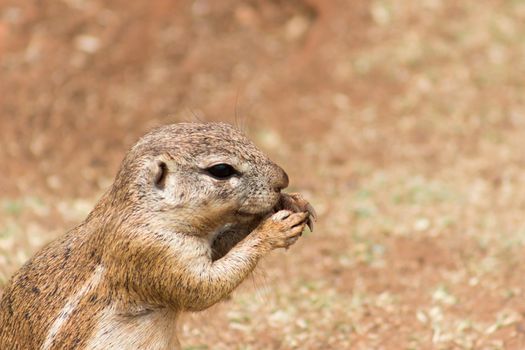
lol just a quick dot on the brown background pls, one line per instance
(403, 122)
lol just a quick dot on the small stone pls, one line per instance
(296, 27)
(87, 43)
(421, 224)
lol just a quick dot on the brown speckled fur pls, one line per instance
(152, 248)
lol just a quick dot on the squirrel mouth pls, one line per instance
(247, 214)
(257, 210)
(243, 213)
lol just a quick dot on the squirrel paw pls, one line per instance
(295, 203)
(283, 228)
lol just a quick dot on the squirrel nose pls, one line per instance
(281, 180)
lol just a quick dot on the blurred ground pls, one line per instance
(404, 122)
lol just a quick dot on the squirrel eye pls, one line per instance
(221, 171)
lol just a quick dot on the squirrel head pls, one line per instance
(198, 176)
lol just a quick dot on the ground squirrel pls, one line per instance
(192, 209)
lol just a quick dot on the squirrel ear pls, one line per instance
(160, 175)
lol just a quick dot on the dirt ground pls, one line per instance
(402, 121)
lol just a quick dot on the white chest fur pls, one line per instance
(155, 330)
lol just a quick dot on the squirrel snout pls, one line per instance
(281, 180)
